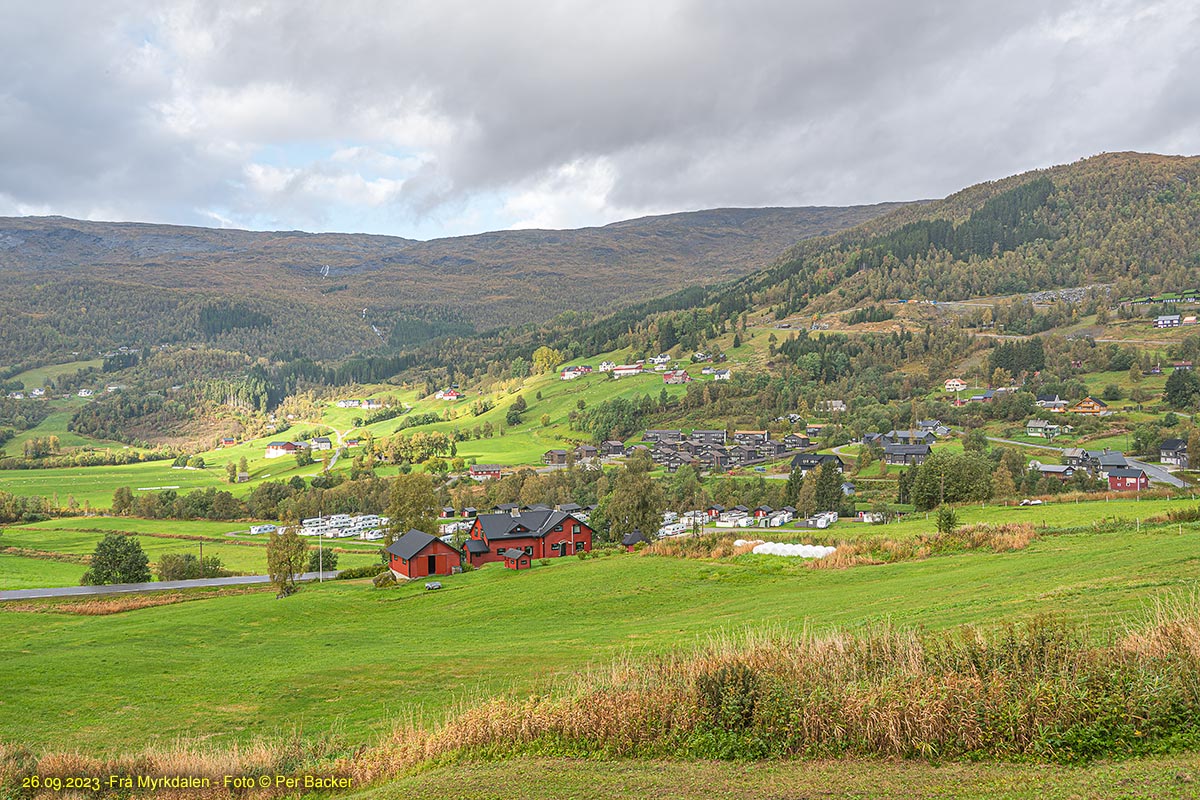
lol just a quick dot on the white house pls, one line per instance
(661, 358)
(956, 385)
(722, 375)
(85, 392)
(607, 366)
(349, 403)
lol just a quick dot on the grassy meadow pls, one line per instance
(78, 536)
(345, 657)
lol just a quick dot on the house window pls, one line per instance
(578, 546)
(528, 551)
(557, 528)
(499, 551)
(574, 529)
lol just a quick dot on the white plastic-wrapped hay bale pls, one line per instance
(793, 550)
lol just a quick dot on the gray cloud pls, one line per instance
(464, 115)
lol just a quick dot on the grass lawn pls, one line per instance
(345, 656)
(1053, 515)
(19, 572)
(548, 779)
(37, 377)
(55, 424)
(79, 535)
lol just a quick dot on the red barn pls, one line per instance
(416, 554)
(516, 559)
(540, 533)
(1123, 479)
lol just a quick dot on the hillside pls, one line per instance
(1127, 219)
(78, 286)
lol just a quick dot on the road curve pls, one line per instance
(158, 586)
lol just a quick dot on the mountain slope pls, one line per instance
(79, 285)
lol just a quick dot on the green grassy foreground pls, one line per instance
(343, 656)
(549, 779)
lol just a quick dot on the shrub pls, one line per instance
(543, 562)
(365, 571)
(323, 558)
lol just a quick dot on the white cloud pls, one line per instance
(441, 116)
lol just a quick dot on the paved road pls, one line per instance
(1156, 474)
(1025, 444)
(122, 588)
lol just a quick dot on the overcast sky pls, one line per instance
(427, 119)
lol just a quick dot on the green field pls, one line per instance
(79, 536)
(348, 657)
(20, 572)
(37, 377)
(1052, 515)
(566, 779)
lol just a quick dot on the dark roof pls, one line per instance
(1174, 445)
(815, 459)
(533, 523)
(632, 538)
(907, 449)
(448, 508)
(569, 507)
(476, 546)
(717, 507)
(507, 506)
(411, 543)
(513, 552)
(1125, 472)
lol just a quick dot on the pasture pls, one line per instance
(346, 657)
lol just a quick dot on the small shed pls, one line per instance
(516, 559)
(632, 539)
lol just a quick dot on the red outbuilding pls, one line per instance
(416, 554)
(516, 559)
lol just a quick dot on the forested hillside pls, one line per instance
(83, 286)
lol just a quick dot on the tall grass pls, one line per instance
(1041, 690)
(860, 552)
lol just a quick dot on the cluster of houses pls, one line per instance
(908, 448)
(1173, 320)
(277, 449)
(1107, 465)
(660, 363)
(571, 373)
(584, 455)
(713, 449)
(741, 517)
(354, 403)
(516, 538)
(31, 394)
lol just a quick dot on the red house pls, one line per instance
(416, 554)
(483, 472)
(516, 559)
(1124, 479)
(539, 533)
